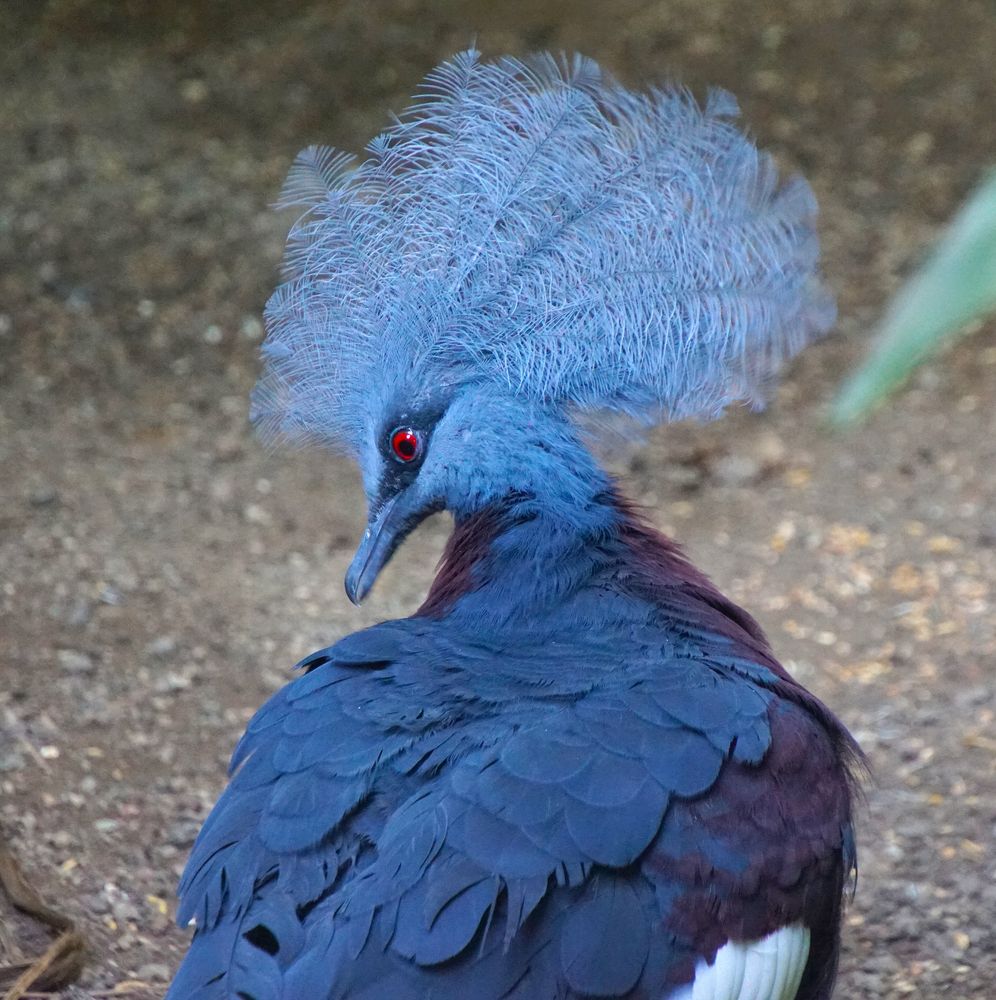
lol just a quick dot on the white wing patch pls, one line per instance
(769, 969)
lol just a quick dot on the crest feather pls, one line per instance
(532, 223)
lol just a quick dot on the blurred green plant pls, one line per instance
(956, 285)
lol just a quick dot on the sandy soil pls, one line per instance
(160, 573)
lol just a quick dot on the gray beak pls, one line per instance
(385, 532)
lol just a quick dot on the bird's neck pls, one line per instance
(520, 553)
(525, 556)
(525, 562)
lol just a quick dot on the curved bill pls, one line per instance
(384, 534)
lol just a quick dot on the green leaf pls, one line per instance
(956, 285)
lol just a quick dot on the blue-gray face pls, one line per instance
(402, 444)
(483, 446)
(397, 507)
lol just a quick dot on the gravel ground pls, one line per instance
(161, 572)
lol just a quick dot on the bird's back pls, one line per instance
(591, 804)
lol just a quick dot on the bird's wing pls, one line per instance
(415, 817)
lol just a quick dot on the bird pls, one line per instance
(577, 770)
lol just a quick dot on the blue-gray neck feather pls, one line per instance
(529, 556)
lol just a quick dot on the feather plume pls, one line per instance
(536, 225)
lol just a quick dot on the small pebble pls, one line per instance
(735, 470)
(124, 909)
(154, 972)
(111, 595)
(44, 496)
(162, 646)
(73, 661)
(75, 612)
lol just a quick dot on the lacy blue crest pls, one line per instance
(535, 225)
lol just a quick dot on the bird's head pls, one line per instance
(465, 454)
(529, 241)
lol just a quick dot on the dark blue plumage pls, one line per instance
(577, 770)
(570, 811)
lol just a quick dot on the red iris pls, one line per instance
(405, 444)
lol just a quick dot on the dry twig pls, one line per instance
(62, 962)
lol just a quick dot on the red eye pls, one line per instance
(405, 444)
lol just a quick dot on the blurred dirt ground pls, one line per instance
(160, 573)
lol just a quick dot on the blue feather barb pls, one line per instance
(534, 225)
